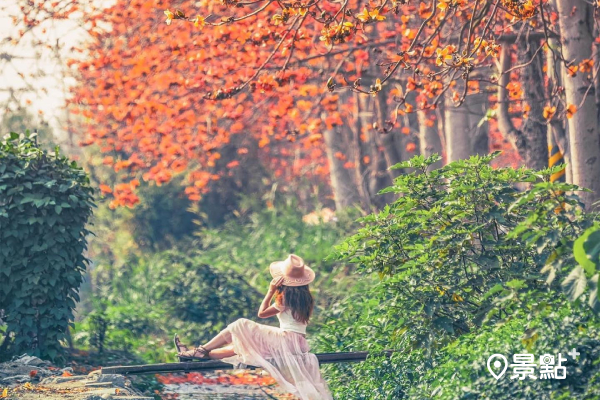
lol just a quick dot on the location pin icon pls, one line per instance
(497, 365)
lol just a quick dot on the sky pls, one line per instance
(44, 83)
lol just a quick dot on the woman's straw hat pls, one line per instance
(293, 270)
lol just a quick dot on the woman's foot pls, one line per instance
(180, 346)
(198, 353)
(185, 354)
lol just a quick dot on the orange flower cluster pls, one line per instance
(196, 378)
(175, 95)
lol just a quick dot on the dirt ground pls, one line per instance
(29, 378)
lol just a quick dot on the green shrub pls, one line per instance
(461, 246)
(199, 287)
(197, 301)
(45, 203)
(460, 251)
(460, 370)
(248, 243)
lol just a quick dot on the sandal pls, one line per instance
(200, 353)
(180, 347)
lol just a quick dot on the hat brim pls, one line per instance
(276, 270)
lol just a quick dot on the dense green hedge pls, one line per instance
(45, 203)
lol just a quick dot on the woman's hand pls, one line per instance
(275, 283)
(266, 310)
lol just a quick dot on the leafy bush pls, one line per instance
(45, 203)
(461, 251)
(461, 246)
(248, 243)
(200, 287)
(196, 300)
(460, 370)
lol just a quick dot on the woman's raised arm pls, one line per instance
(266, 310)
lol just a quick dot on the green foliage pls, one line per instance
(586, 252)
(163, 217)
(195, 299)
(45, 203)
(21, 120)
(459, 254)
(460, 370)
(248, 243)
(200, 286)
(566, 244)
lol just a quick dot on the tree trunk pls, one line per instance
(360, 149)
(464, 137)
(534, 128)
(458, 135)
(379, 177)
(387, 135)
(532, 141)
(477, 104)
(345, 191)
(576, 26)
(429, 137)
(556, 135)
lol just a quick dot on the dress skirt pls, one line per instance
(283, 354)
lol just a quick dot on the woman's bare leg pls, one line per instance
(222, 339)
(223, 352)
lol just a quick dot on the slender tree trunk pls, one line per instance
(429, 138)
(576, 26)
(556, 136)
(458, 131)
(531, 142)
(596, 52)
(387, 135)
(463, 135)
(534, 128)
(379, 177)
(360, 154)
(345, 191)
(477, 104)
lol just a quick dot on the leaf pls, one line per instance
(444, 323)
(593, 300)
(516, 284)
(551, 271)
(586, 249)
(575, 283)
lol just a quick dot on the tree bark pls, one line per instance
(390, 151)
(534, 127)
(464, 137)
(378, 176)
(531, 142)
(429, 137)
(345, 191)
(458, 135)
(576, 26)
(478, 104)
(360, 149)
(556, 135)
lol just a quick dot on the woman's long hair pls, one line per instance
(298, 299)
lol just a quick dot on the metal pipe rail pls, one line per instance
(324, 358)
